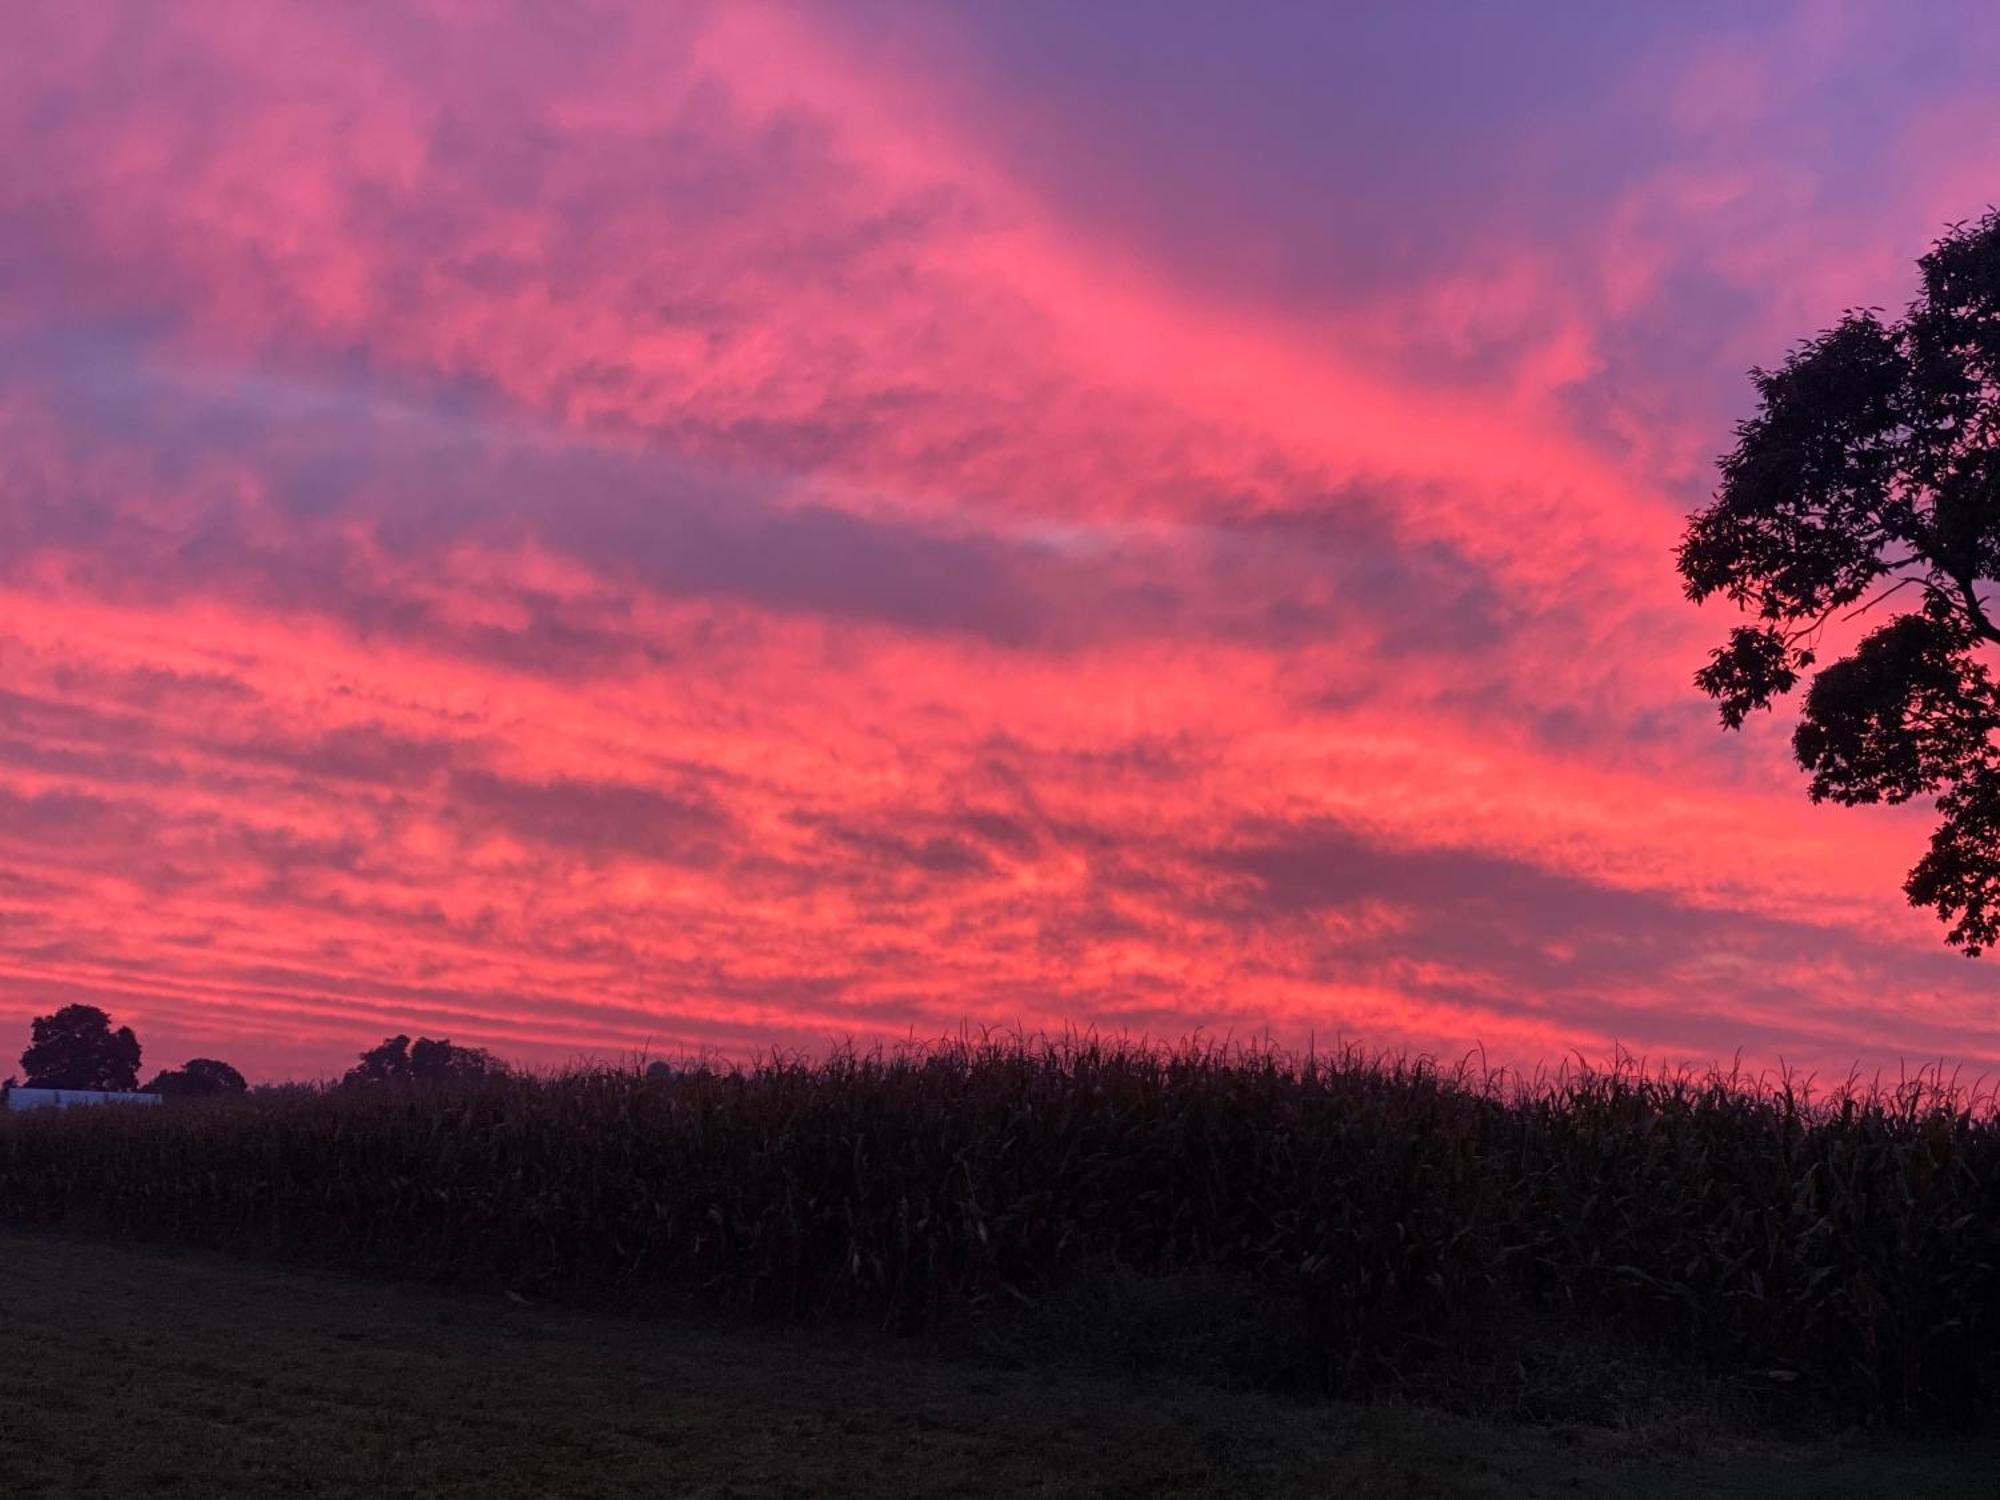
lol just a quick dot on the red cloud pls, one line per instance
(582, 537)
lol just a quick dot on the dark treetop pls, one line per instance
(75, 1048)
(1870, 477)
(198, 1078)
(396, 1061)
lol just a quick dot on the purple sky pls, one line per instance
(581, 527)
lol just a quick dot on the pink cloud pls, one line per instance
(579, 535)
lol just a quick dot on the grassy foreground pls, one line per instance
(128, 1371)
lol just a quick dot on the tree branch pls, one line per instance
(1974, 609)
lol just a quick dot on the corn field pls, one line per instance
(1846, 1247)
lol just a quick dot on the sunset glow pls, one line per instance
(587, 528)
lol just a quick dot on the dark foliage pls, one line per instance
(76, 1049)
(198, 1078)
(396, 1061)
(1871, 471)
(1378, 1221)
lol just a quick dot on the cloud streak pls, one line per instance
(583, 530)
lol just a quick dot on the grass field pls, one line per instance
(128, 1371)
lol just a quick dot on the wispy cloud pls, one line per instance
(585, 527)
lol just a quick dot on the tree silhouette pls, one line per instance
(387, 1063)
(198, 1078)
(1871, 472)
(76, 1049)
(397, 1061)
(442, 1062)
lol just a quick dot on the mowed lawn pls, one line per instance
(127, 1371)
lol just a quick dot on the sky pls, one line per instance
(588, 527)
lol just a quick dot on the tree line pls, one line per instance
(76, 1048)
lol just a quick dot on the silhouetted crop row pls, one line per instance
(1846, 1248)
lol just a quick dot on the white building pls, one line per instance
(19, 1098)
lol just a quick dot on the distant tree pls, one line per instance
(76, 1049)
(388, 1063)
(445, 1062)
(427, 1062)
(198, 1078)
(1872, 470)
